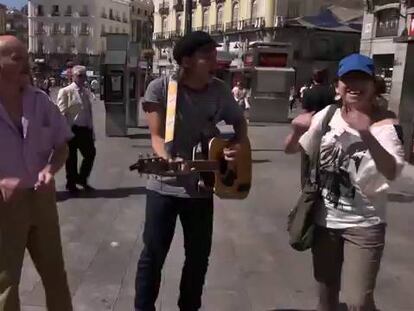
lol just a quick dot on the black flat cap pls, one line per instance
(191, 43)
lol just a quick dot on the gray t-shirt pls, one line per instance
(196, 110)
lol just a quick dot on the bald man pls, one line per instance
(33, 136)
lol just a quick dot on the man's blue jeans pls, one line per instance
(196, 216)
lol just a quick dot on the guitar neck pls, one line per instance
(203, 165)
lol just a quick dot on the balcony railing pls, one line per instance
(252, 23)
(84, 14)
(177, 34)
(104, 15)
(40, 31)
(118, 18)
(103, 33)
(125, 20)
(162, 35)
(40, 13)
(111, 17)
(203, 28)
(55, 13)
(218, 28)
(56, 32)
(84, 32)
(67, 32)
(68, 13)
(232, 26)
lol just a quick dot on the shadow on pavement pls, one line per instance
(342, 307)
(116, 193)
(400, 198)
(261, 161)
(139, 136)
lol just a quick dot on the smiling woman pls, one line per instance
(358, 156)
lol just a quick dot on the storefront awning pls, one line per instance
(333, 18)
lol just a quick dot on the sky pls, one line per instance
(14, 3)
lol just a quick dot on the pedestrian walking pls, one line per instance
(359, 155)
(34, 136)
(202, 101)
(74, 102)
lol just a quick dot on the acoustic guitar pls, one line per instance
(229, 179)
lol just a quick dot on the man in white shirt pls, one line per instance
(74, 102)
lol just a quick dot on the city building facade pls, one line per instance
(60, 30)
(17, 24)
(3, 10)
(236, 24)
(142, 12)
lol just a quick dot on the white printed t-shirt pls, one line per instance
(354, 192)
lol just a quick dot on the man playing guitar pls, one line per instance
(201, 100)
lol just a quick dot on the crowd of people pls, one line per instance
(345, 126)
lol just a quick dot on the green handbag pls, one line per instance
(301, 218)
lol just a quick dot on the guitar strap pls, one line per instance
(172, 90)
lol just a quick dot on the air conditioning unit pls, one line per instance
(279, 21)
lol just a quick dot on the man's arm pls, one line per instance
(58, 159)
(156, 123)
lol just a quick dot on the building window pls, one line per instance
(40, 47)
(139, 11)
(84, 11)
(254, 9)
(387, 23)
(55, 10)
(68, 11)
(205, 19)
(235, 12)
(293, 8)
(84, 29)
(40, 28)
(103, 29)
(68, 28)
(164, 24)
(179, 25)
(40, 11)
(56, 28)
(145, 12)
(220, 15)
(111, 14)
(193, 18)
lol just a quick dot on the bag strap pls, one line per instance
(324, 129)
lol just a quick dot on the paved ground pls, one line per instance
(252, 267)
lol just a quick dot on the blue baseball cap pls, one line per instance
(356, 62)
